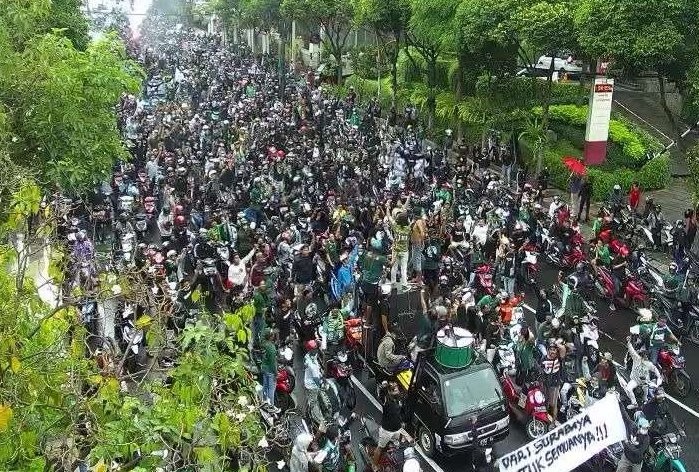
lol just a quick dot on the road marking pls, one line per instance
(366, 393)
(378, 406)
(670, 397)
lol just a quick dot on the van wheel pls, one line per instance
(426, 439)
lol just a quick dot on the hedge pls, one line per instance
(653, 175)
(635, 143)
(692, 157)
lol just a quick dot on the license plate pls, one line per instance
(522, 401)
(485, 441)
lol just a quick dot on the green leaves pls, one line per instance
(62, 117)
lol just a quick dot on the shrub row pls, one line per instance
(635, 143)
(652, 175)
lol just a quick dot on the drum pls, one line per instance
(454, 348)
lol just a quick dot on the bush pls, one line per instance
(634, 142)
(692, 157)
(653, 175)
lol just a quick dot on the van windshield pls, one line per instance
(474, 391)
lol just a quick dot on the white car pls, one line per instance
(568, 65)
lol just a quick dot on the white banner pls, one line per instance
(572, 443)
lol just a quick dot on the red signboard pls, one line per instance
(603, 88)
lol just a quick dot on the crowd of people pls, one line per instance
(311, 206)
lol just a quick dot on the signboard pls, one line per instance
(598, 114)
(572, 443)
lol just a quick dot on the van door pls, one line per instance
(429, 404)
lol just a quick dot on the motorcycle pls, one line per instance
(559, 258)
(661, 303)
(394, 457)
(286, 380)
(127, 248)
(483, 281)
(631, 295)
(530, 265)
(664, 456)
(672, 366)
(527, 404)
(141, 226)
(340, 369)
(149, 207)
(589, 341)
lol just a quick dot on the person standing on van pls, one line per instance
(401, 237)
(418, 233)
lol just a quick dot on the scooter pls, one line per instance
(527, 404)
(672, 366)
(286, 380)
(340, 369)
(665, 455)
(483, 281)
(632, 294)
(530, 265)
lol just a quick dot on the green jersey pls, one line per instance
(603, 254)
(401, 236)
(372, 265)
(269, 358)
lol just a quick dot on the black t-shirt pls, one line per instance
(391, 416)
(458, 234)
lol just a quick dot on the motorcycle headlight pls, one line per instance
(539, 397)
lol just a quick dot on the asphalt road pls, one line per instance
(614, 327)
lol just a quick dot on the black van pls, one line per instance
(441, 403)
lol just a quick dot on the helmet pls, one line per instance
(310, 345)
(555, 323)
(580, 266)
(679, 223)
(649, 200)
(642, 423)
(179, 209)
(672, 268)
(617, 187)
(180, 220)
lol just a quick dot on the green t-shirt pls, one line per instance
(331, 249)
(269, 358)
(261, 301)
(596, 227)
(372, 265)
(432, 253)
(603, 255)
(525, 354)
(401, 235)
(487, 301)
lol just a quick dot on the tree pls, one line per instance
(336, 18)
(658, 36)
(65, 15)
(430, 27)
(60, 105)
(545, 26)
(389, 21)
